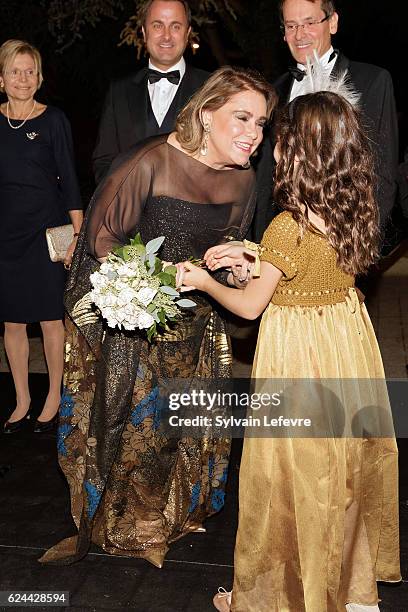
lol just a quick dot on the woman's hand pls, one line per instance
(70, 253)
(231, 256)
(77, 217)
(237, 278)
(190, 277)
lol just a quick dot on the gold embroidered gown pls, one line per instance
(318, 517)
(133, 490)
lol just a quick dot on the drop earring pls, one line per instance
(204, 142)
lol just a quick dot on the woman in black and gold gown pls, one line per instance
(133, 491)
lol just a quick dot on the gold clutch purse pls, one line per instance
(58, 240)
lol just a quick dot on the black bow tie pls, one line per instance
(173, 76)
(299, 74)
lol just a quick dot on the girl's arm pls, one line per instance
(228, 255)
(249, 303)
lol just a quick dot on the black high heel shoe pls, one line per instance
(11, 427)
(44, 426)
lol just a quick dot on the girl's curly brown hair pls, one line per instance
(326, 165)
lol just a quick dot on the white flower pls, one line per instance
(132, 310)
(132, 315)
(109, 313)
(98, 280)
(103, 300)
(145, 320)
(124, 290)
(134, 265)
(109, 300)
(120, 284)
(125, 296)
(128, 326)
(104, 268)
(94, 295)
(125, 271)
(120, 315)
(146, 295)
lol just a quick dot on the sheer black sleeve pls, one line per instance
(119, 203)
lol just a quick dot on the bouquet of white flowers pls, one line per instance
(134, 289)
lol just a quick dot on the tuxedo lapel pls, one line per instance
(137, 103)
(286, 89)
(283, 88)
(169, 119)
(186, 88)
(341, 65)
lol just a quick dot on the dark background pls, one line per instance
(78, 70)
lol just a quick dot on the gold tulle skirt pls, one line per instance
(318, 518)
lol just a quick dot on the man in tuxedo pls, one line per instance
(308, 26)
(147, 103)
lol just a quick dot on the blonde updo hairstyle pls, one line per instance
(13, 47)
(217, 91)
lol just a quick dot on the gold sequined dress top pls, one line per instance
(133, 491)
(318, 516)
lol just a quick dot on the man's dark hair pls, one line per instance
(146, 8)
(327, 6)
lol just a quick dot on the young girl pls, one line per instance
(318, 523)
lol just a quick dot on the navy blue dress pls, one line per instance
(38, 186)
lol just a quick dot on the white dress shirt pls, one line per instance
(162, 92)
(298, 87)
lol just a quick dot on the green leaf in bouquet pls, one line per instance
(154, 245)
(138, 249)
(119, 252)
(165, 279)
(151, 332)
(169, 291)
(128, 252)
(152, 261)
(156, 316)
(162, 316)
(184, 303)
(168, 276)
(151, 308)
(157, 265)
(137, 241)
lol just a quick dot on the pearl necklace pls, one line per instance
(16, 127)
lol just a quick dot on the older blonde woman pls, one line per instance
(38, 187)
(133, 491)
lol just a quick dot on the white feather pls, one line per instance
(319, 78)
